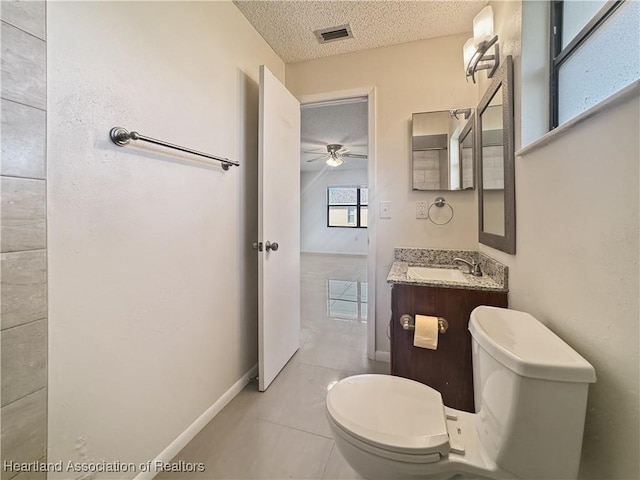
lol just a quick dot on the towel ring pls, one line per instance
(439, 202)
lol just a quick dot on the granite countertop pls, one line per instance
(495, 275)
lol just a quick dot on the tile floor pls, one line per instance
(283, 433)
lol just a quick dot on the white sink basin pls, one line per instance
(438, 274)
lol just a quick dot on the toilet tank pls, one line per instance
(530, 394)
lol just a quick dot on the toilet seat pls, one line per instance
(394, 415)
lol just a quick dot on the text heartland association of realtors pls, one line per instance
(103, 467)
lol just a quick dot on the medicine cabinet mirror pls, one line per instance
(495, 160)
(437, 155)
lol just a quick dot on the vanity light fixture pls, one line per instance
(475, 49)
(460, 111)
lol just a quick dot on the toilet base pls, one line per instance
(372, 463)
(372, 467)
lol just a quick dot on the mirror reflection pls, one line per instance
(436, 153)
(467, 140)
(493, 166)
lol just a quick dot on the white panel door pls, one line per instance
(278, 228)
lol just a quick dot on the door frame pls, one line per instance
(370, 94)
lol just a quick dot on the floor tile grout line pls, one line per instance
(272, 422)
(326, 465)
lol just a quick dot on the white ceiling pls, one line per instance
(288, 25)
(345, 124)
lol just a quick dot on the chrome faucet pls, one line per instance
(474, 268)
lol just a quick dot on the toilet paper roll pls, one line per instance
(426, 332)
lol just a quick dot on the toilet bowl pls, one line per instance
(390, 427)
(530, 390)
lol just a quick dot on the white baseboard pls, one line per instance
(383, 356)
(192, 430)
(351, 254)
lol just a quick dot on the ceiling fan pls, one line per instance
(335, 154)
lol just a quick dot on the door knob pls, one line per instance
(257, 246)
(271, 246)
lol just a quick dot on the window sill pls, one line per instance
(346, 226)
(630, 91)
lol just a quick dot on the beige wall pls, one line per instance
(153, 284)
(577, 262)
(413, 77)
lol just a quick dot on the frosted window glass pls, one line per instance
(608, 61)
(343, 195)
(575, 15)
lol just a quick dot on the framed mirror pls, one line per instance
(466, 144)
(435, 150)
(495, 161)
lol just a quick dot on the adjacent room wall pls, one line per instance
(153, 282)
(315, 236)
(24, 235)
(413, 77)
(576, 267)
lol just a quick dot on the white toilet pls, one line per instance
(530, 396)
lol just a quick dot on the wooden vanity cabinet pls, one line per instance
(447, 369)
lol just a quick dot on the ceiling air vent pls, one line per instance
(333, 34)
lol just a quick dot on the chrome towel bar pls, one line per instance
(408, 323)
(122, 137)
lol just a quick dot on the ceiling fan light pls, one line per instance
(334, 161)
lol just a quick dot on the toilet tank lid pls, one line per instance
(524, 345)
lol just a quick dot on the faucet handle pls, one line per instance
(476, 270)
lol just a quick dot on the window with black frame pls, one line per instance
(347, 206)
(594, 53)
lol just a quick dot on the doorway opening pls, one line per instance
(337, 237)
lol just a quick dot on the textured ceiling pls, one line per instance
(288, 25)
(345, 124)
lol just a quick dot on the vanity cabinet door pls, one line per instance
(447, 369)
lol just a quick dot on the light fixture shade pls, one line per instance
(483, 26)
(334, 161)
(467, 52)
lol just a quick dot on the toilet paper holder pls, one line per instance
(408, 323)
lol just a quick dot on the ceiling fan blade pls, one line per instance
(317, 152)
(317, 158)
(353, 155)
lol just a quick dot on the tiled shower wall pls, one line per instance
(23, 362)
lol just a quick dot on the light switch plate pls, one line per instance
(422, 209)
(385, 209)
